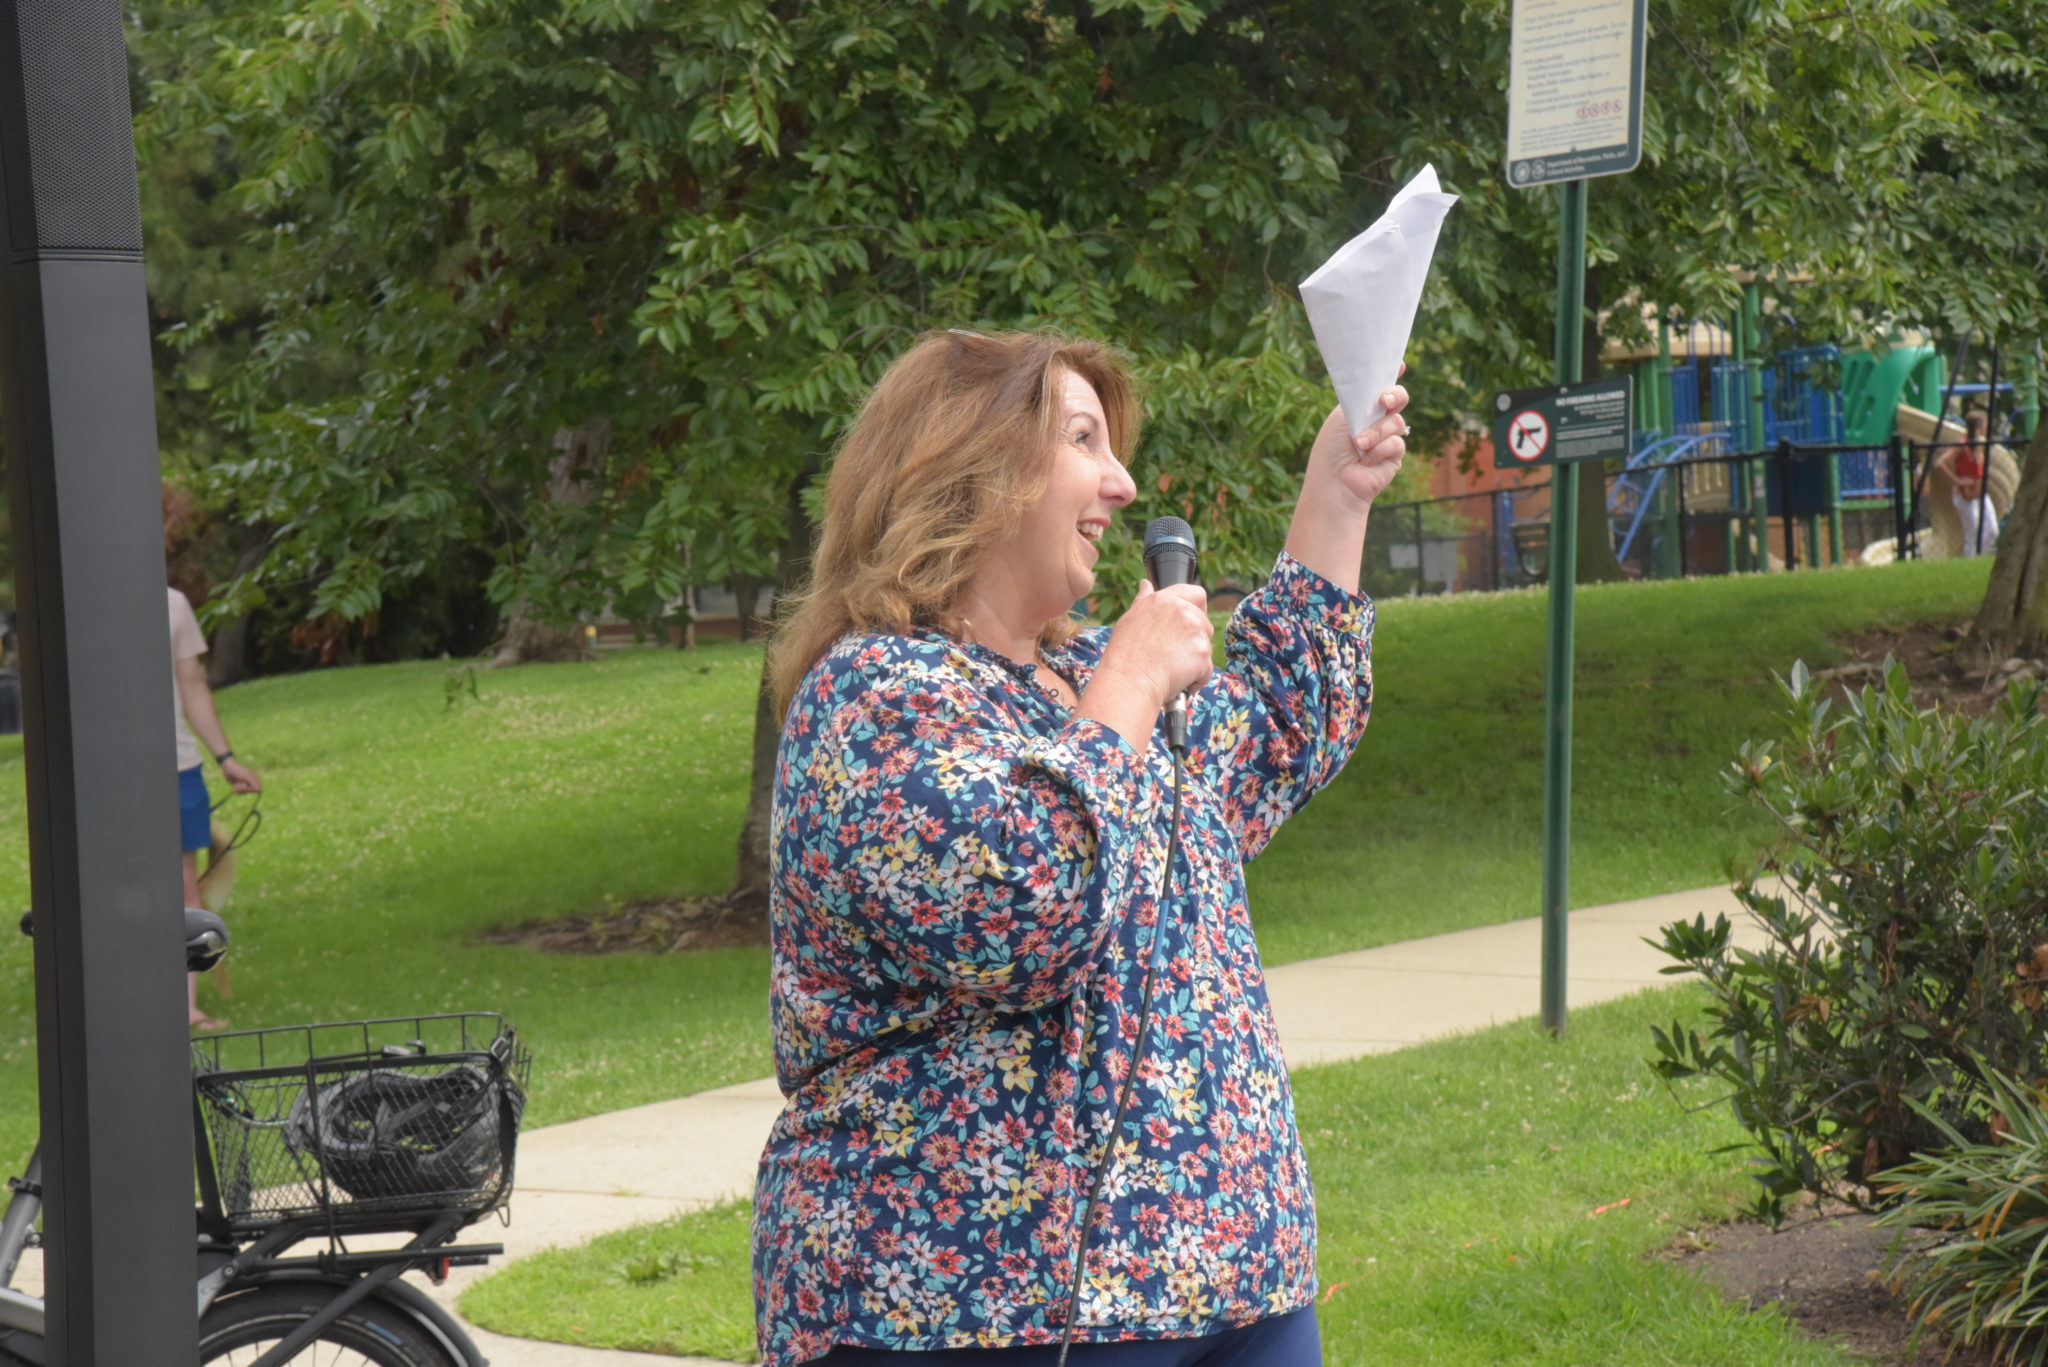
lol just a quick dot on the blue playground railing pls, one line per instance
(1728, 388)
(1643, 475)
(1864, 474)
(1806, 406)
(1806, 398)
(1803, 403)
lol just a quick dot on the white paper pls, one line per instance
(1362, 301)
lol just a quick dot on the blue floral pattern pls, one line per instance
(966, 888)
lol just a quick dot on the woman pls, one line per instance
(971, 820)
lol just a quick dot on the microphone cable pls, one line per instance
(1123, 1101)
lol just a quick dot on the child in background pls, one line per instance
(195, 713)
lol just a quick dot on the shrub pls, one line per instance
(1982, 1273)
(1903, 902)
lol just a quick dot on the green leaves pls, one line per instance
(712, 225)
(1972, 1217)
(1910, 877)
(713, 222)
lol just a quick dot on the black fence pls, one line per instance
(1718, 513)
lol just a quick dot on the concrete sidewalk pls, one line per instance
(589, 1177)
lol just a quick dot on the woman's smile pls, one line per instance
(1039, 571)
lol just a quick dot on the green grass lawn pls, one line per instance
(1437, 823)
(396, 826)
(1488, 1199)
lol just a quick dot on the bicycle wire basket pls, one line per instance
(359, 1124)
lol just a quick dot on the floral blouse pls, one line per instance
(965, 897)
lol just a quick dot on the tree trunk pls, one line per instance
(1596, 560)
(2013, 619)
(746, 592)
(1597, 563)
(580, 454)
(684, 616)
(227, 656)
(750, 879)
(529, 640)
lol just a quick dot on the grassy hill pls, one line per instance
(397, 825)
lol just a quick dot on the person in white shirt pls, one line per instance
(195, 713)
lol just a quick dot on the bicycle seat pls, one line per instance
(206, 937)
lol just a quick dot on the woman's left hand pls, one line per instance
(1363, 466)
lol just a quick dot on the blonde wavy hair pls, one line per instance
(953, 444)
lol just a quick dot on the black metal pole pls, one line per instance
(1984, 456)
(1895, 458)
(1684, 572)
(1785, 505)
(77, 413)
(1493, 541)
(1418, 549)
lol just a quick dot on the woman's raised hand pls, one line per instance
(1162, 646)
(1362, 466)
(1345, 475)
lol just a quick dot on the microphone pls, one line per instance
(1170, 559)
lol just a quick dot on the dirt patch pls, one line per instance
(1826, 1272)
(1942, 664)
(673, 926)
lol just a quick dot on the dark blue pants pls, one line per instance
(1284, 1341)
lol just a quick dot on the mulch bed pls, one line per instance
(1942, 665)
(673, 926)
(1824, 1269)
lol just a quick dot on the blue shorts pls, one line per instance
(195, 809)
(1290, 1340)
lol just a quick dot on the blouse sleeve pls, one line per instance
(954, 852)
(1291, 701)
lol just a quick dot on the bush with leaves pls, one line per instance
(1972, 1252)
(1903, 904)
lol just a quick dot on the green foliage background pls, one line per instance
(400, 245)
(1908, 879)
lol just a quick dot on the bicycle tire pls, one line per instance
(239, 1328)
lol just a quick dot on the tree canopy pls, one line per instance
(710, 226)
(475, 228)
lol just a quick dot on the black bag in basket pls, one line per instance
(384, 1134)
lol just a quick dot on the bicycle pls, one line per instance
(410, 1130)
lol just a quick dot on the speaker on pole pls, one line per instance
(77, 420)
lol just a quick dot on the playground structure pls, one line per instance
(1749, 458)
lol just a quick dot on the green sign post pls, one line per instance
(1564, 569)
(1575, 109)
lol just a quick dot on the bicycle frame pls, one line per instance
(19, 1310)
(355, 1276)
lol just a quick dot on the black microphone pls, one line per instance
(1170, 559)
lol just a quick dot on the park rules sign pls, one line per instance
(1575, 90)
(1560, 423)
